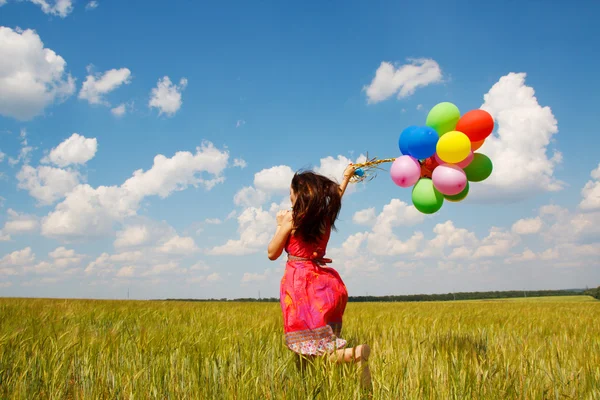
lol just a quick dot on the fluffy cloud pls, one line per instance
(92, 211)
(527, 226)
(275, 180)
(522, 165)
(47, 184)
(77, 149)
(31, 77)
(591, 192)
(61, 8)
(96, 86)
(364, 217)
(403, 80)
(19, 223)
(166, 96)
(91, 5)
(256, 226)
(13, 263)
(178, 245)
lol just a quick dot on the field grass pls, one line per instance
(75, 349)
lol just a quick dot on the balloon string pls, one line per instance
(368, 169)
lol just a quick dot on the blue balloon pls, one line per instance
(359, 172)
(423, 142)
(405, 140)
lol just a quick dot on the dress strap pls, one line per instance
(320, 261)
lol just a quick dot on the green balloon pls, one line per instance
(460, 196)
(443, 117)
(479, 169)
(425, 197)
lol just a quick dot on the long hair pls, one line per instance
(318, 204)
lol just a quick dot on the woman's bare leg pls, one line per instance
(360, 355)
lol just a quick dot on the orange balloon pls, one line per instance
(476, 124)
(477, 145)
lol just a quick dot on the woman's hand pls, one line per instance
(349, 171)
(284, 217)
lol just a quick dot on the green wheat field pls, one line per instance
(513, 349)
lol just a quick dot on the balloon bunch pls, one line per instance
(439, 160)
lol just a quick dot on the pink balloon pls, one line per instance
(449, 179)
(461, 164)
(405, 171)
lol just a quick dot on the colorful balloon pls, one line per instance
(449, 179)
(405, 171)
(453, 147)
(477, 145)
(359, 172)
(428, 166)
(423, 141)
(476, 124)
(443, 117)
(405, 139)
(466, 161)
(458, 197)
(426, 198)
(461, 164)
(479, 169)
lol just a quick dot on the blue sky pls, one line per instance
(275, 88)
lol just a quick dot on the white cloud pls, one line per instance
(2, 155)
(61, 8)
(448, 236)
(214, 277)
(131, 236)
(403, 80)
(18, 258)
(255, 228)
(256, 277)
(47, 184)
(178, 245)
(364, 217)
(334, 168)
(527, 226)
(31, 77)
(19, 223)
(96, 86)
(274, 180)
(91, 5)
(525, 129)
(119, 110)
(591, 192)
(88, 211)
(250, 197)
(497, 243)
(77, 149)
(239, 123)
(166, 96)
(213, 221)
(4, 237)
(126, 272)
(238, 162)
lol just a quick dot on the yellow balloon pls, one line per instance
(453, 147)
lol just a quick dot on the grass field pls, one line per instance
(513, 349)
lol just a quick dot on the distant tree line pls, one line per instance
(595, 293)
(434, 297)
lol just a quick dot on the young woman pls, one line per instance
(313, 297)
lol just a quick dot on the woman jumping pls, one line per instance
(313, 297)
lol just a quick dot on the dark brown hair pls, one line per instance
(318, 204)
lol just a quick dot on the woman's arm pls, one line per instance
(284, 228)
(347, 175)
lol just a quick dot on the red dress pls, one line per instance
(313, 298)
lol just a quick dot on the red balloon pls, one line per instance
(427, 167)
(476, 124)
